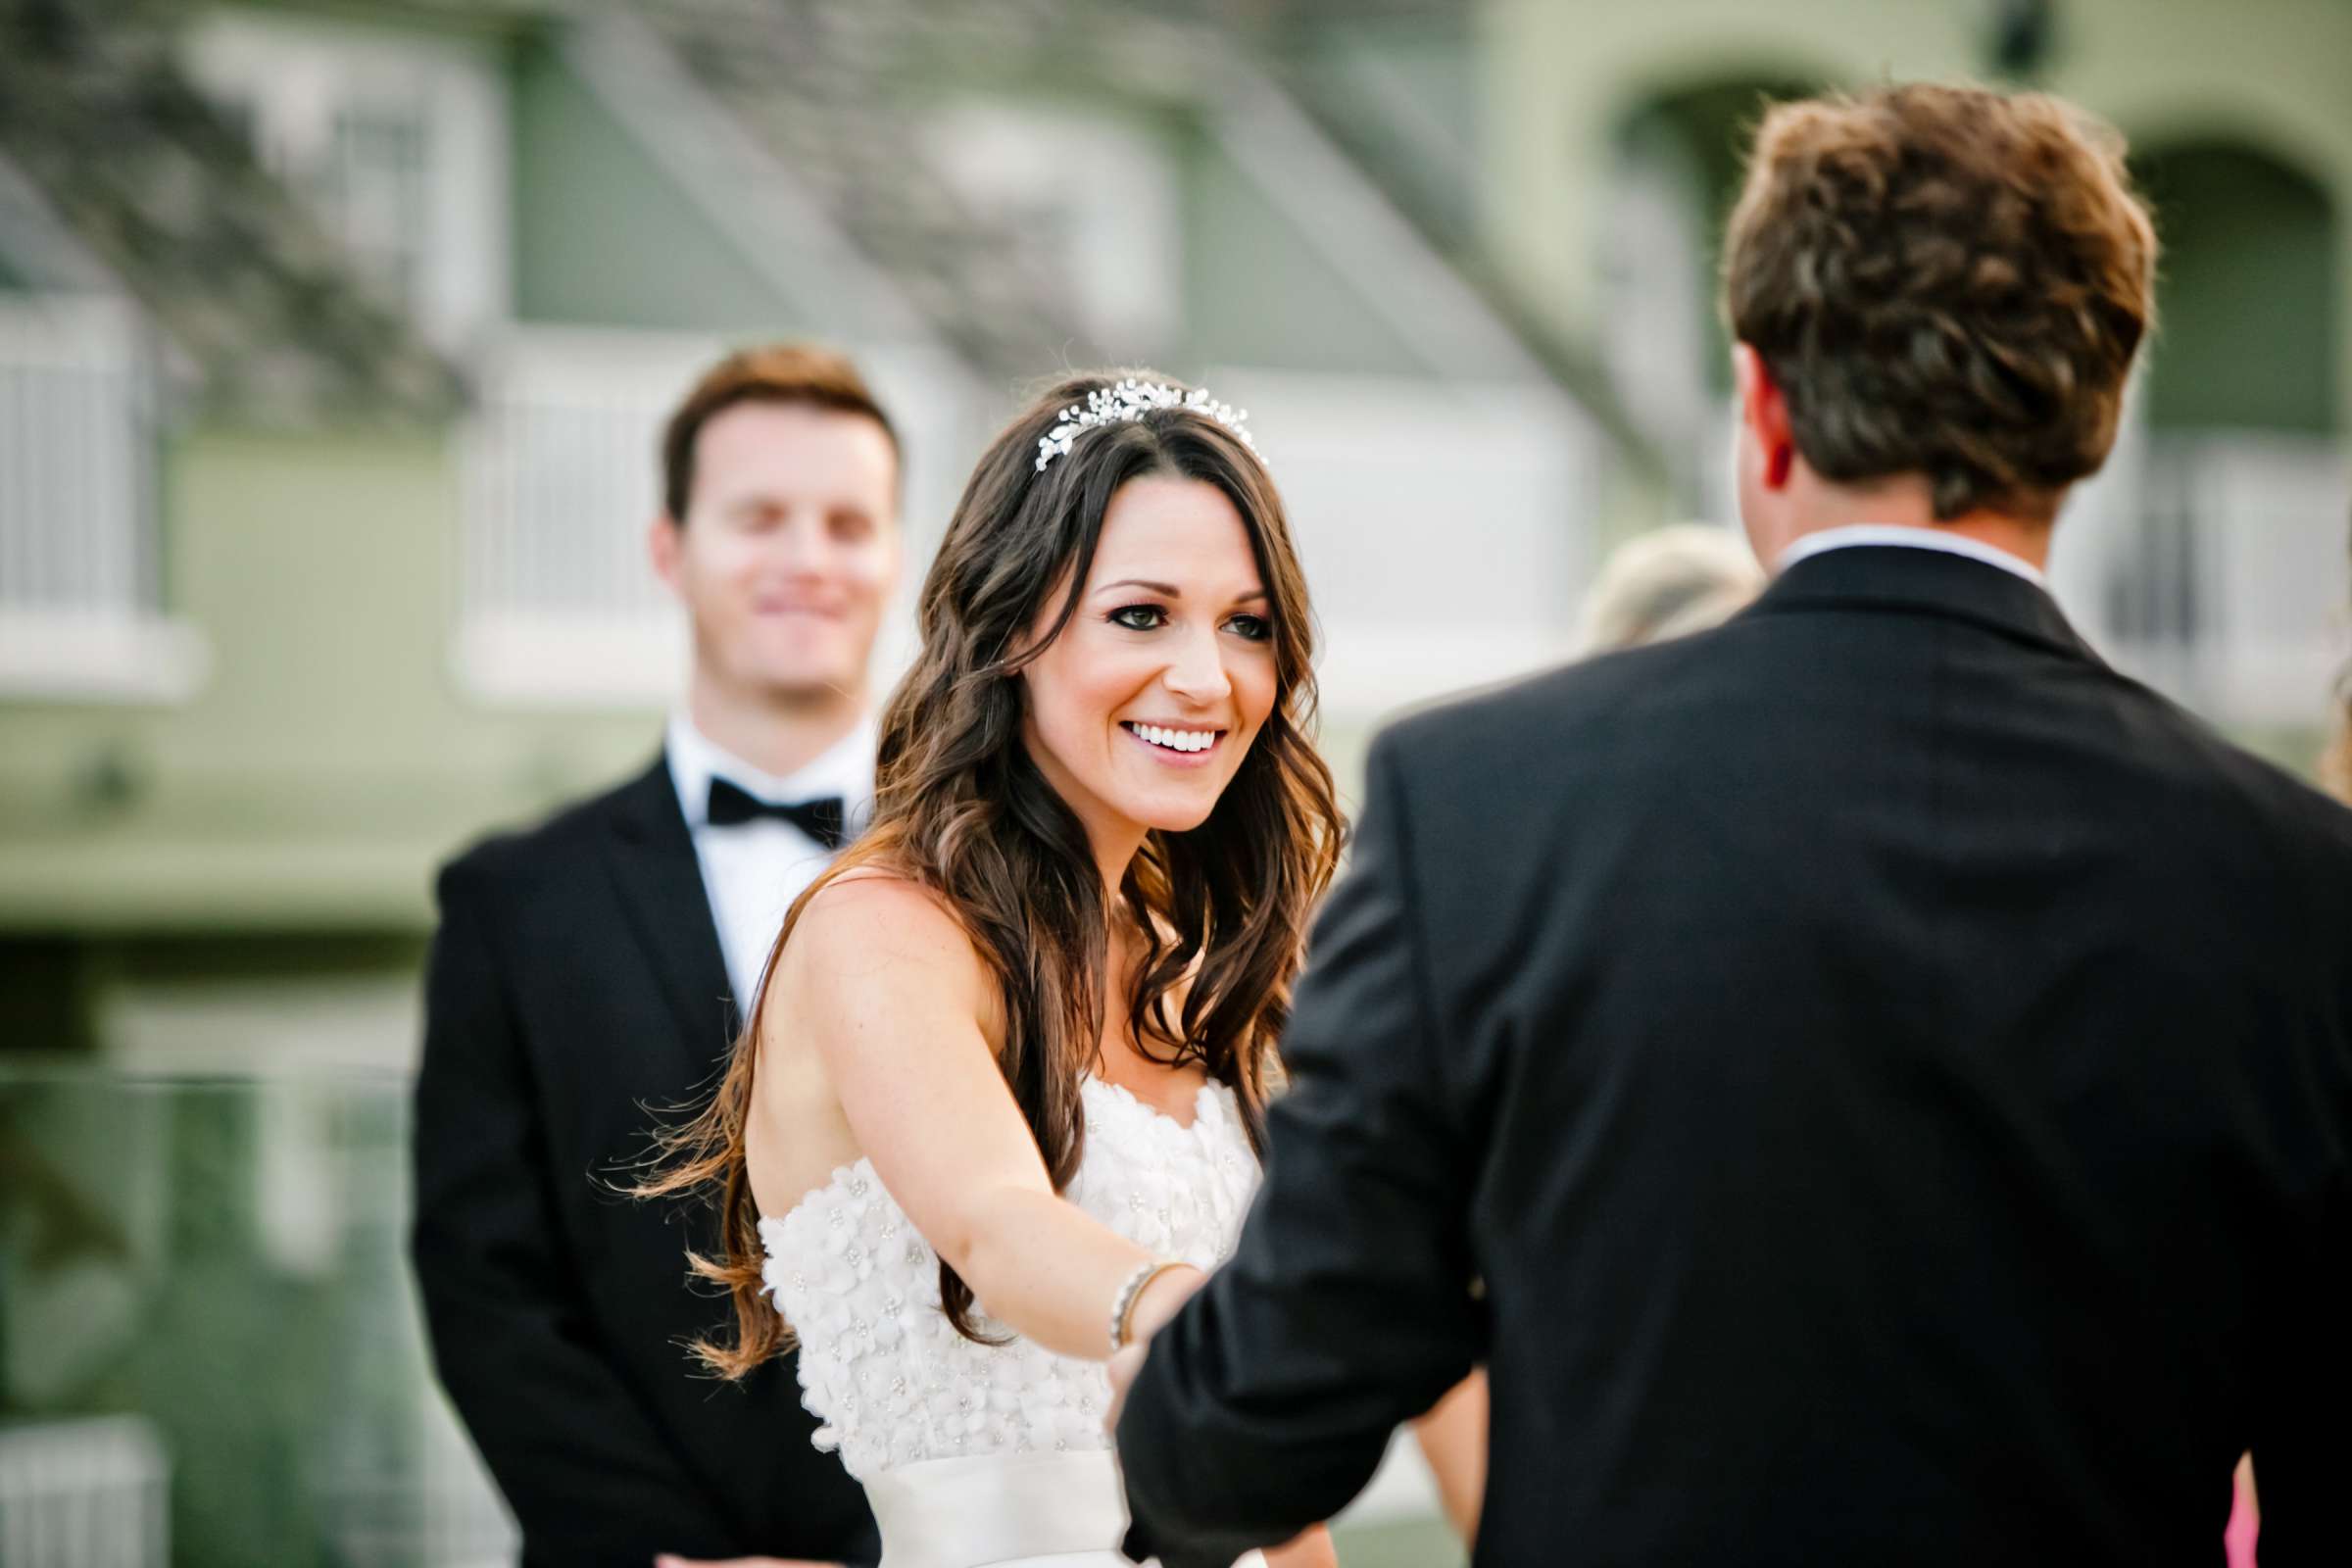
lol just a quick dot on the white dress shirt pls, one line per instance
(1909, 538)
(752, 871)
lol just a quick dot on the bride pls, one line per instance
(1000, 1104)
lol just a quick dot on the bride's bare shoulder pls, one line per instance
(867, 902)
(871, 933)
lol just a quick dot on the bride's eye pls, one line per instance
(1256, 628)
(1139, 617)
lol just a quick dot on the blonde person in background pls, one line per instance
(1668, 583)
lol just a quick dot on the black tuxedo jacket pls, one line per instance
(576, 979)
(1891, 1074)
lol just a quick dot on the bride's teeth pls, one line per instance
(1176, 740)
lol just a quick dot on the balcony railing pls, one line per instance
(80, 592)
(557, 601)
(84, 1494)
(2213, 565)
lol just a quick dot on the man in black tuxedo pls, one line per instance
(1889, 1076)
(599, 966)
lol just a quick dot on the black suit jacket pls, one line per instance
(1892, 1075)
(576, 979)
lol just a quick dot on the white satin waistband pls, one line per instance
(998, 1508)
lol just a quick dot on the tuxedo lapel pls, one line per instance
(662, 898)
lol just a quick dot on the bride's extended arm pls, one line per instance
(891, 994)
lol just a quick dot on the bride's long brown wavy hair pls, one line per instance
(961, 809)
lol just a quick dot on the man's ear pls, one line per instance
(663, 547)
(1764, 411)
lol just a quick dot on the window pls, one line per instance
(396, 139)
(373, 187)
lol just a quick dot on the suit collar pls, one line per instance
(661, 894)
(1927, 581)
(1907, 536)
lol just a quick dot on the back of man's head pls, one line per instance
(1943, 281)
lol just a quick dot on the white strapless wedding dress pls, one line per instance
(980, 1456)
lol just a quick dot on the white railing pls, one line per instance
(562, 476)
(560, 479)
(2213, 564)
(84, 1493)
(79, 598)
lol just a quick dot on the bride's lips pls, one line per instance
(1168, 755)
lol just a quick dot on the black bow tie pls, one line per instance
(823, 819)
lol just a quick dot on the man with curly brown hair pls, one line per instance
(1888, 1075)
(1935, 295)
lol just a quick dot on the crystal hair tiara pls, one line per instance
(1125, 402)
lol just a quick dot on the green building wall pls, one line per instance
(330, 760)
(1258, 292)
(603, 238)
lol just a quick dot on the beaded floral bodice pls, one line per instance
(879, 1365)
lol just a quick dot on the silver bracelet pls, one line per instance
(1122, 1305)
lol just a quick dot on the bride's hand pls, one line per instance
(1124, 1365)
(1167, 1292)
(1159, 1302)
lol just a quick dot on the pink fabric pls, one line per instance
(2238, 1538)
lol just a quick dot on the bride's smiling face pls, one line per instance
(1141, 711)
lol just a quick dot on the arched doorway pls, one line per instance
(2246, 294)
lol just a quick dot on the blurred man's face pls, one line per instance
(788, 551)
